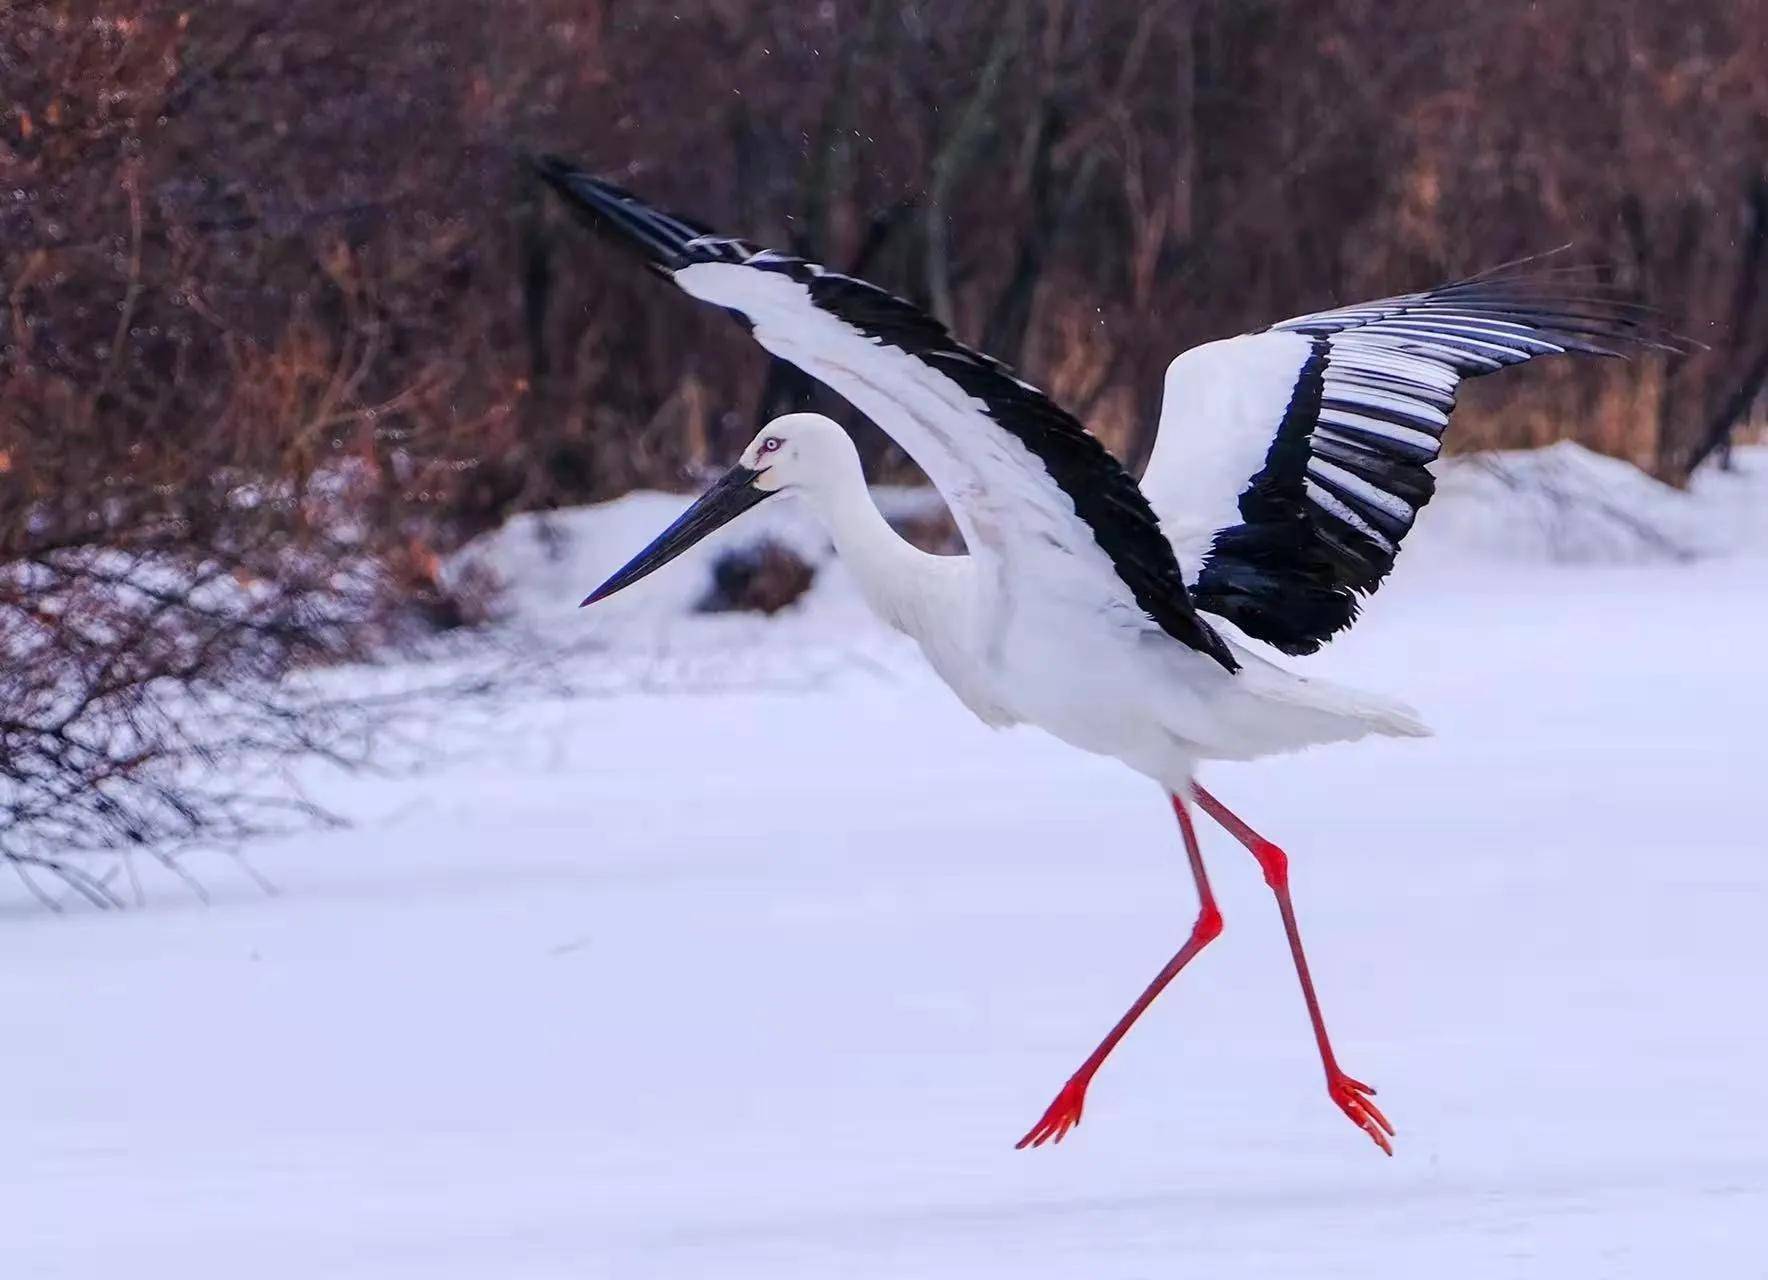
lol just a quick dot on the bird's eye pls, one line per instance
(770, 444)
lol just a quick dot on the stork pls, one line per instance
(1289, 465)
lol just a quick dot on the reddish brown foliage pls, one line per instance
(269, 238)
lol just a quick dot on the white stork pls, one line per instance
(1290, 464)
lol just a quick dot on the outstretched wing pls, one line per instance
(1038, 499)
(1291, 463)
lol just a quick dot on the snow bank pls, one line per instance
(653, 636)
(545, 562)
(1560, 505)
(1734, 499)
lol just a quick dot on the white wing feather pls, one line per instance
(1222, 402)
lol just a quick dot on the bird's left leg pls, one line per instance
(1064, 1113)
(1352, 1096)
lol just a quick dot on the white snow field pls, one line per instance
(758, 965)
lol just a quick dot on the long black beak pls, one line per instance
(730, 497)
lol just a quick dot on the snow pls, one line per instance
(762, 977)
(1565, 504)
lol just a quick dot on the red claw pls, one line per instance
(1063, 1114)
(1353, 1098)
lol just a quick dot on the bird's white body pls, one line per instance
(1098, 679)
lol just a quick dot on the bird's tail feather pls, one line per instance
(1273, 711)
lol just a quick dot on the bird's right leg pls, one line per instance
(1350, 1095)
(1064, 1113)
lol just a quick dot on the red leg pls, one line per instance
(1064, 1113)
(1352, 1096)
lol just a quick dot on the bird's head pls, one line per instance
(794, 452)
(798, 451)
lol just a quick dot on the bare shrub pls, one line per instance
(162, 676)
(763, 577)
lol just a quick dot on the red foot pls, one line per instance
(1352, 1097)
(1063, 1115)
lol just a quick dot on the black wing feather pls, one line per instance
(1346, 474)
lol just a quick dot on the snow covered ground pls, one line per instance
(757, 966)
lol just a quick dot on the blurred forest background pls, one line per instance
(283, 321)
(293, 241)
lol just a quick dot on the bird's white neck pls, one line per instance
(903, 584)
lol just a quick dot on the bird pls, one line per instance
(1144, 622)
